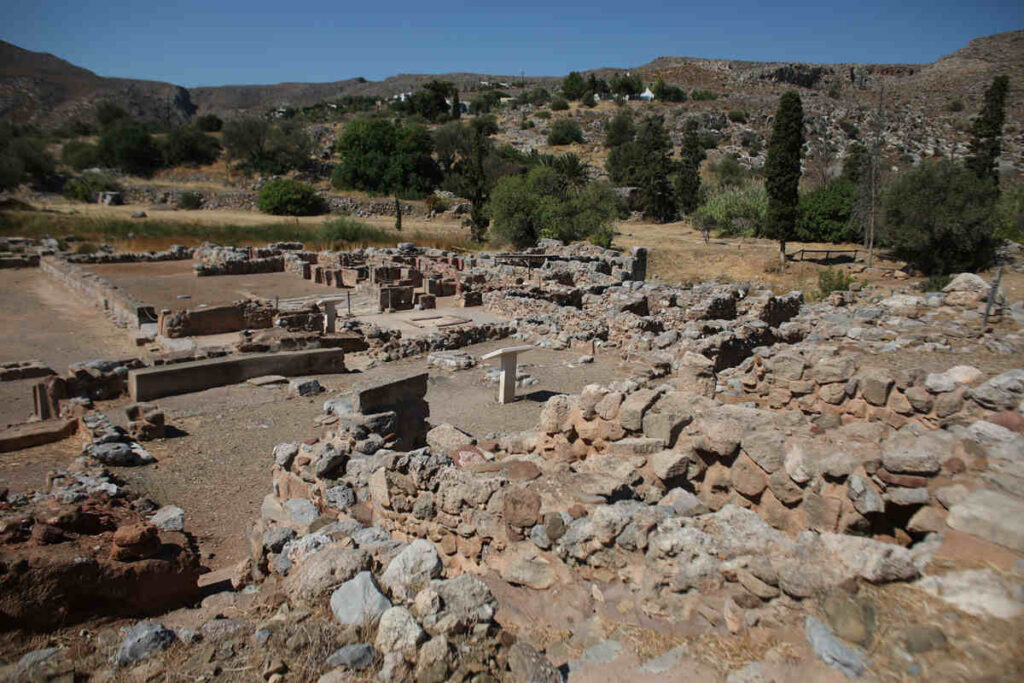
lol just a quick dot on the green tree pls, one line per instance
(573, 86)
(663, 92)
(652, 175)
(987, 142)
(824, 214)
(539, 204)
(190, 146)
(941, 218)
(688, 179)
(620, 130)
(626, 85)
(209, 123)
(287, 197)
(379, 156)
(398, 215)
(782, 171)
(129, 147)
(564, 132)
(22, 158)
(456, 104)
(483, 127)
(856, 165)
(79, 155)
(260, 146)
(109, 115)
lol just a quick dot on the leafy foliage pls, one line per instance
(287, 197)
(941, 218)
(542, 204)
(824, 214)
(688, 180)
(188, 146)
(209, 123)
(620, 129)
(626, 85)
(738, 116)
(702, 95)
(260, 146)
(378, 155)
(87, 186)
(987, 142)
(735, 210)
(833, 280)
(22, 158)
(573, 86)
(559, 104)
(564, 132)
(782, 169)
(190, 201)
(663, 92)
(79, 155)
(128, 146)
(1010, 214)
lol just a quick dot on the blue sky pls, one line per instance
(220, 42)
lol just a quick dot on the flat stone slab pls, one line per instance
(992, 516)
(35, 434)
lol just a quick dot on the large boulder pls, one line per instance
(991, 515)
(412, 569)
(324, 570)
(358, 602)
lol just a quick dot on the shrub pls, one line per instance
(190, 201)
(130, 148)
(542, 115)
(603, 238)
(86, 248)
(22, 159)
(79, 155)
(85, 187)
(263, 147)
(941, 218)
(735, 210)
(437, 203)
(955, 105)
(833, 280)
(559, 104)
(935, 283)
(350, 231)
(738, 116)
(1010, 214)
(850, 128)
(286, 197)
(564, 132)
(729, 171)
(824, 214)
(187, 146)
(209, 123)
(702, 95)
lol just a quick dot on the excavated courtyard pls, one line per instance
(213, 469)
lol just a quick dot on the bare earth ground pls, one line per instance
(43, 320)
(161, 284)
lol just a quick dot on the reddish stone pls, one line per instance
(1013, 421)
(905, 480)
(464, 456)
(522, 470)
(577, 511)
(134, 534)
(954, 466)
(521, 507)
(45, 534)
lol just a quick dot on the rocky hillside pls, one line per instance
(40, 88)
(928, 106)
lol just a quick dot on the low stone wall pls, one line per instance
(241, 315)
(19, 261)
(176, 252)
(182, 378)
(122, 308)
(831, 386)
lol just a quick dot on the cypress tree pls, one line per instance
(398, 214)
(456, 105)
(782, 171)
(654, 170)
(987, 143)
(688, 180)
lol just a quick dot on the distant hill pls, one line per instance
(43, 89)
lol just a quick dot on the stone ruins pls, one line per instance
(776, 489)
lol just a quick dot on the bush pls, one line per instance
(187, 146)
(935, 283)
(729, 171)
(702, 95)
(542, 115)
(209, 123)
(941, 217)
(263, 147)
(559, 104)
(346, 230)
(22, 159)
(833, 280)
(735, 210)
(564, 132)
(738, 116)
(86, 248)
(85, 187)
(286, 197)
(79, 155)
(824, 214)
(955, 105)
(1010, 214)
(130, 148)
(541, 204)
(190, 201)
